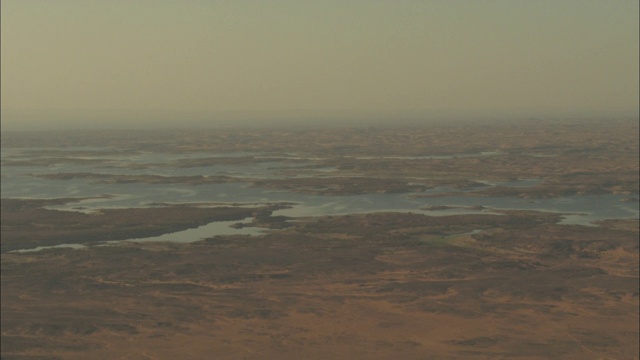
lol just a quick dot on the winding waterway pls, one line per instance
(20, 166)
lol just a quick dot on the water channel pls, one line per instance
(19, 168)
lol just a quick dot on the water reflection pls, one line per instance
(202, 232)
(17, 183)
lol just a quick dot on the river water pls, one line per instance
(18, 182)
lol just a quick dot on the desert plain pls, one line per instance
(446, 280)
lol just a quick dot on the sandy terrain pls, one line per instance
(510, 285)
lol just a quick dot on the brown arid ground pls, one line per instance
(377, 286)
(513, 285)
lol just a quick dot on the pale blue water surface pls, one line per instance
(19, 182)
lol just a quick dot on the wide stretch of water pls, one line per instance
(18, 181)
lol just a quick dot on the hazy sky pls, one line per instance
(451, 56)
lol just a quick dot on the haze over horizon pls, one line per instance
(75, 63)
